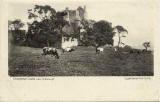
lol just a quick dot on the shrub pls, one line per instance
(127, 48)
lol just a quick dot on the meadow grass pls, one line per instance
(27, 61)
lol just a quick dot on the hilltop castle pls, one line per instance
(74, 18)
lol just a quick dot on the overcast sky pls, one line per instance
(137, 16)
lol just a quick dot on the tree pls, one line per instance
(10, 25)
(46, 27)
(120, 30)
(100, 35)
(146, 45)
(42, 26)
(17, 24)
(42, 33)
(17, 34)
(41, 12)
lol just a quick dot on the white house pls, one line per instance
(123, 39)
(69, 42)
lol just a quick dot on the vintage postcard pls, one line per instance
(80, 50)
(78, 39)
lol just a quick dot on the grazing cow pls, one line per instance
(68, 49)
(99, 49)
(50, 51)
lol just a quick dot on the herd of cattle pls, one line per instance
(54, 51)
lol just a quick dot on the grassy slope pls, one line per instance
(26, 61)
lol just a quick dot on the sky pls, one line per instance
(137, 16)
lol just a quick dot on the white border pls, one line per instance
(77, 88)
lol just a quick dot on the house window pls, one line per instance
(72, 39)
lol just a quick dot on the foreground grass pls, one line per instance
(26, 61)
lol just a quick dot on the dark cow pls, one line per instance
(50, 51)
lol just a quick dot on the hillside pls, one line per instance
(26, 61)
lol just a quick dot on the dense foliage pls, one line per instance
(100, 35)
(46, 27)
(146, 45)
(47, 24)
(16, 35)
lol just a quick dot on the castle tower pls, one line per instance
(67, 16)
(85, 12)
(77, 19)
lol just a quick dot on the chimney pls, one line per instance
(67, 16)
(85, 13)
(77, 14)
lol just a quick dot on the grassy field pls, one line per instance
(27, 61)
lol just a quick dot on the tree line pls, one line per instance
(46, 29)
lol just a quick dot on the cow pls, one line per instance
(50, 51)
(68, 49)
(99, 49)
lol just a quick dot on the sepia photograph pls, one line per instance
(81, 38)
(79, 50)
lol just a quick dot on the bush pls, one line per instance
(127, 48)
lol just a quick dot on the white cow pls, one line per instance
(100, 49)
(68, 49)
